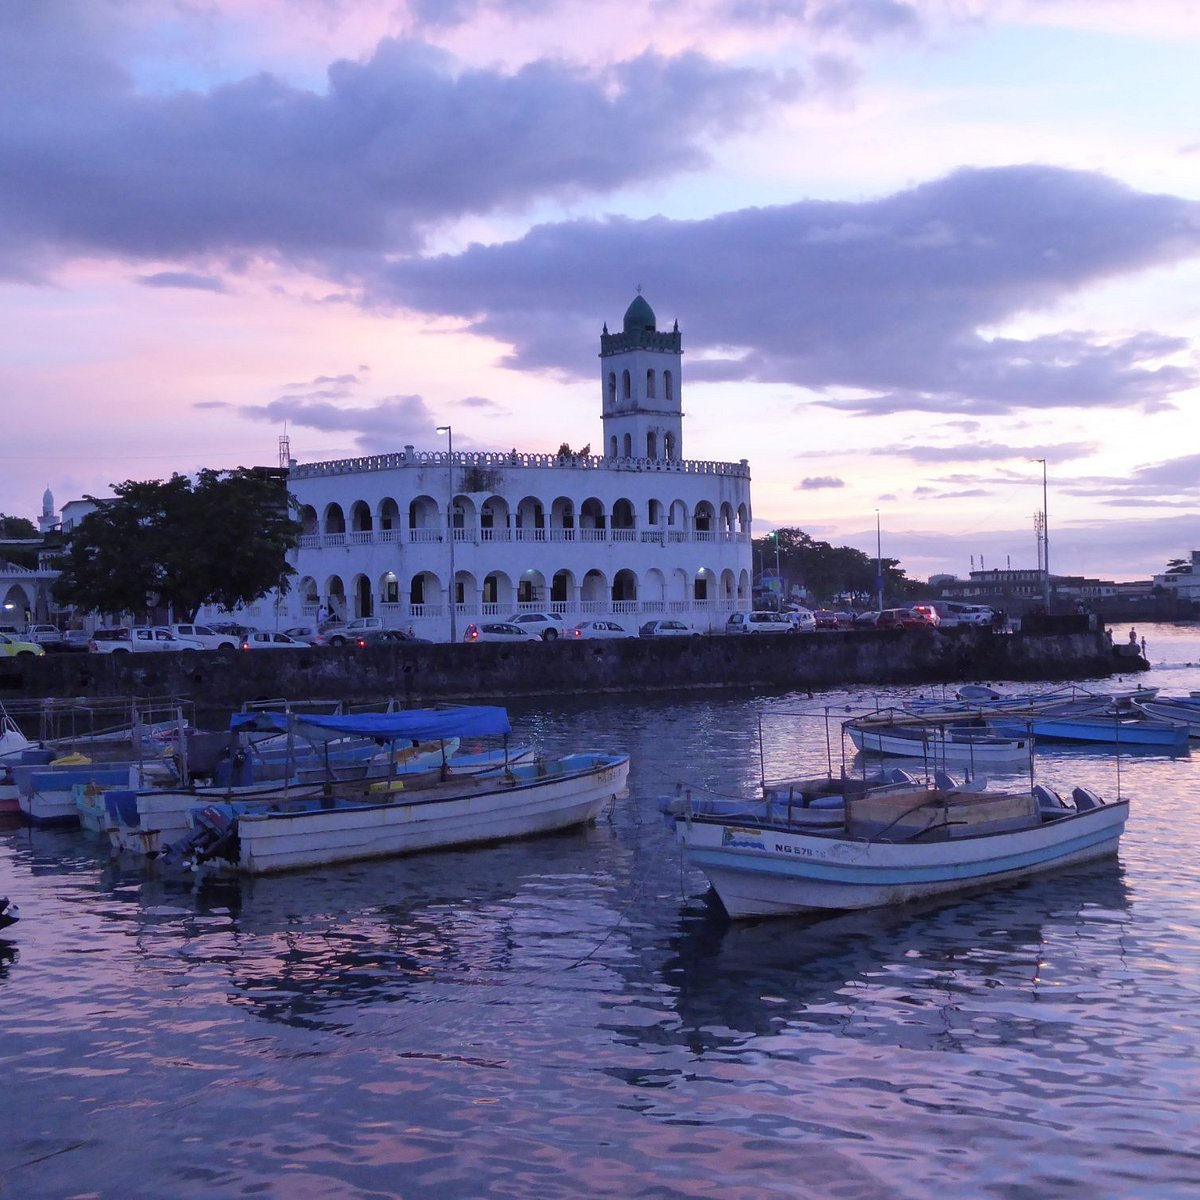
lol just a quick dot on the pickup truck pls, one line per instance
(150, 639)
(209, 638)
(44, 635)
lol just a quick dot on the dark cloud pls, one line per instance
(818, 482)
(984, 452)
(395, 145)
(183, 279)
(887, 297)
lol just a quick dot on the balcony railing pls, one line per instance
(475, 535)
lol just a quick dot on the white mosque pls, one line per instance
(636, 532)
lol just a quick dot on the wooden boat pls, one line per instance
(893, 847)
(937, 742)
(1182, 710)
(351, 822)
(10, 914)
(1117, 728)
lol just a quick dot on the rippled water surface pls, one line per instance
(569, 1017)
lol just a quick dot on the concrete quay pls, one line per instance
(425, 674)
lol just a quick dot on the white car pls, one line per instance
(598, 629)
(759, 621)
(146, 639)
(263, 640)
(499, 631)
(802, 620)
(547, 626)
(669, 627)
(208, 637)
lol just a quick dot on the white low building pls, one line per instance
(635, 532)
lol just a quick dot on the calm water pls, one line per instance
(566, 1017)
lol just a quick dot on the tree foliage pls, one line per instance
(827, 571)
(222, 539)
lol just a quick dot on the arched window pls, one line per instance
(612, 387)
(651, 445)
(668, 386)
(626, 384)
(612, 449)
(668, 445)
(650, 385)
(629, 445)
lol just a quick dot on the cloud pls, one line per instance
(378, 428)
(897, 311)
(183, 279)
(816, 483)
(394, 146)
(985, 452)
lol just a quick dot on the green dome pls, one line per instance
(639, 317)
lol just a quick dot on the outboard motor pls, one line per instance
(214, 835)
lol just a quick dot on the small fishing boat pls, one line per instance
(950, 743)
(893, 846)
(10, 914)
(1181, 710)
(1115, 728)
(351, 821)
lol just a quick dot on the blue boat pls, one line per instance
(1113, 729)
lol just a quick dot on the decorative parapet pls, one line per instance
(515, 460)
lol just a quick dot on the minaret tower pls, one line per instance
(640, 380)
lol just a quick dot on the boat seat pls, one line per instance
(1049, 802)
(899, 775)
(1085, 799)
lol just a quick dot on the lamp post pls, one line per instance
(450, 524)
(1045, 540)
(878, 564)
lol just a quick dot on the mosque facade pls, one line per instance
(435, 540)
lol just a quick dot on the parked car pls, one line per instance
(500, 631)
(954, 612)
(804, 620)
(545, 625)
(901, 618)
(307, 633)
(143, 639)
(44, 635)
(928, 613)
(74, 641)
(340, 633)
(265, 640)
(866, 620)
(670, 627)
(389, 637)
(601, 628)
(233, 629)
(10, 647)
(825, 618)
(207, 635)
(758, 621)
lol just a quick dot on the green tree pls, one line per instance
(827, 571)
(222, 539)
(24, 529)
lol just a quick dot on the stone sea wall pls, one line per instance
(423, 674)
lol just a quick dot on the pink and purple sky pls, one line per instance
(911, 246)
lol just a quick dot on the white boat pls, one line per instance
(355, 822)
(892, 848)
(146, 822)
(1182, 710)
(945, 743)
(13, 743)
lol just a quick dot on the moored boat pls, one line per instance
(894, 847)
(946, 743)
(10, 914)
(351, 821)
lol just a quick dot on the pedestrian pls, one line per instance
(1133, 637)
(1143, 647)
(322, 613)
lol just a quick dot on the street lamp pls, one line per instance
(450, 523)
(1045, 539)
(878, 564)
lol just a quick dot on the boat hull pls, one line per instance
(770, 872)
(540, 799)
(977, 752)
(1101, 730)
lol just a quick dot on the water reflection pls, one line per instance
(738, 981)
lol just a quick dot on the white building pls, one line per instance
(637, 531)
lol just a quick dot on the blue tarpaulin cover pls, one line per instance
(415, 725)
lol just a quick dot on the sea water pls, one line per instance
(570, 1016)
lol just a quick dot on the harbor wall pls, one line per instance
(421, 674)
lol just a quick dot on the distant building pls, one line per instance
(1182, 582)
(636, 531)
